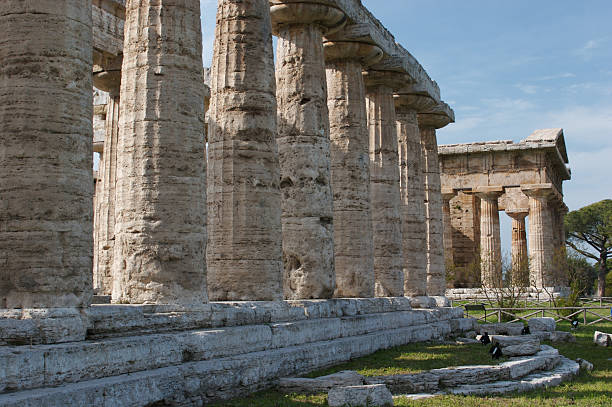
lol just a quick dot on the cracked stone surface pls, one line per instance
(384, 185)
(350, 171)
(244, 256)
(46, 183)
(160, 238)
(304, 149)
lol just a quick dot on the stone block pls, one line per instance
(602, 339)
(360, 396)
(42, 326)
(542, 324)
(560, 336)
(321, 384)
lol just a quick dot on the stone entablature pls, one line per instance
(539, 159)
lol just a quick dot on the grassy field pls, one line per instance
(588, 390)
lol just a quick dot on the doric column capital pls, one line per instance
(391, 79)
(107, 74)
(438, 117)
(297, 12)
(366, 54)
(448, 194)
(541, 191)
(415, 102)
(489, 193)
(518, 214)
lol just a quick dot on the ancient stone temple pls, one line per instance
(525, 180)
(250, 221)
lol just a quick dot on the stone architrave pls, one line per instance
(160, 230)
(437, 118)
(304, 146)
(490, 238)
(350, 166)
(447, 235)
(541, 250)
(244, 255)
(46, 179)
(385, 182)
(412, 191)
(108, 80)
(519, 239)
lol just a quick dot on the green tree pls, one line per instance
(589, 232)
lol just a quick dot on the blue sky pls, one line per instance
(510, 67)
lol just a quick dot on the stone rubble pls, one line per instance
(323, 384)
(546, 324)
(602, 339)
(360, 396)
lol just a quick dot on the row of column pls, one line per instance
(545, 255)
(278, 140)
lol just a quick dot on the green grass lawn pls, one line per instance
(588, 390)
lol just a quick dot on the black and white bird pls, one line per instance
(496, 351)
(484, 339)
(525, 330)
(575, 324)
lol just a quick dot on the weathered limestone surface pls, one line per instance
(322, 384)
(546, 324)
(465, 222)
(46, 183)
(360, 396)
(447, 235)
(350, 167)
(540, 236)
(384, 183)
(428, 123)
(104, 223)
(447, 380)
(160, 211)
(490, 238)
(564, 371)
(519, 239)
(244, 254)
(304, 148)
(167, 365)
(412, 192)
(602, 338)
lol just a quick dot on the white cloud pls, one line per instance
(590, 47)
(528, 89)
(564, 75)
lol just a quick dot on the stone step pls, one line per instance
(197, 383)
(439, 379)
(552, 375)
(564, 371)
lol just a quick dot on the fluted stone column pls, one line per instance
(412, 192)
(160, 231)
(447, 234)
(46, 133)
(384, 183)
(436, 270)
(540, 236)
(519, 240)
(109, 81)
(304, 147)
(350, 167)
(490, 238)
(244, 203)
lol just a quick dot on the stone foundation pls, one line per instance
(138, 355)
(543, 294)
